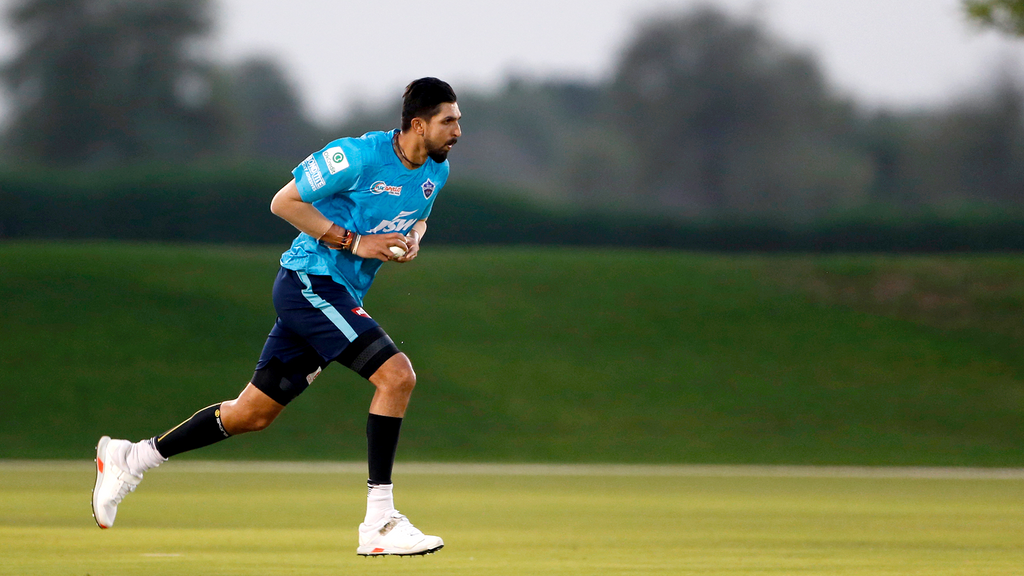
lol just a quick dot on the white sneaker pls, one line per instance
(394, 535)
(113, 481)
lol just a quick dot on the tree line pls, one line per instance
(101, 83)
(706, 117)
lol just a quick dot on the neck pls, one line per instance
(410, 150)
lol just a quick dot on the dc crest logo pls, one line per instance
(428, 189)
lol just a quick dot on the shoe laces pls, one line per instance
(399, 524)
(127, 485)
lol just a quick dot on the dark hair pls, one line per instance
(423, 99)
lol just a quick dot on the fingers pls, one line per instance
(407, 257)
(378, 246)
(397, 243)
(414, 248)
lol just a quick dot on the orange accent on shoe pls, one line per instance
(102, 526)
(377, 551)
(99, 466)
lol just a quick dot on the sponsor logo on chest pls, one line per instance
(380, 187)
(399, 223)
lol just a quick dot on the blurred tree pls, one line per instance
(969, 155)
(99, 82)
(1004, 15)
(895, 144)
(526, 133)
(706, 116)
(725, 120)
(268, 118)
(983, 144)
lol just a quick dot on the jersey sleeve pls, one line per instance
(334, 170)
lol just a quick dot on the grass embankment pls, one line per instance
(538, 355)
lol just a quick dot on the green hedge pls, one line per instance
(232, 205)
(195, 205)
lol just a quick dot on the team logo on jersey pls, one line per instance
(360, 312)
(428, 189)
(335, 159)
(379, 187)
(313, 174)
(400, 223)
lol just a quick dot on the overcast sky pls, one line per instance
(902, 53)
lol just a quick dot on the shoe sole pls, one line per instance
(101, 449)
(422, 553)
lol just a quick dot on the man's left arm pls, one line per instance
(412, 239)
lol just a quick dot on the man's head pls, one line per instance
(430, 109)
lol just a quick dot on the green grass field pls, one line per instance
(508, 522)
(531, 355)
(538, 355)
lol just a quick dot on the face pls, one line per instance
(442, 131)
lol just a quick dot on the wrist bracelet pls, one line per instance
(346, 240)
(341, 241)
(355, 244)
(321, 237)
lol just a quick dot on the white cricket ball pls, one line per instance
(397, 251)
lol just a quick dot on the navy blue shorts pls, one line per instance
(318, 321)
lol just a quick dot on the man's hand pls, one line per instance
(379, 246)
(413, 241)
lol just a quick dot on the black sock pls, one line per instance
(202, 429)
(381, 445)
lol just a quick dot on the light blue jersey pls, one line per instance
(360, 184)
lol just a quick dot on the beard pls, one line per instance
(439, 154)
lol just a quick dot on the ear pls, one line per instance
(419, 126)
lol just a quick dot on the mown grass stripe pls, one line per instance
(767, 471)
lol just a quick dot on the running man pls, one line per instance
(358, 203)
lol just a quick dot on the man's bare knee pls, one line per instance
(238, 420)
(394, 380)
(396, 377)
(257, 422)
(399, 382)
(252, 411)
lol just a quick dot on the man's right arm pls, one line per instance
(289, 205)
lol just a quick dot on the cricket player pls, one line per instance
(358, 203)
